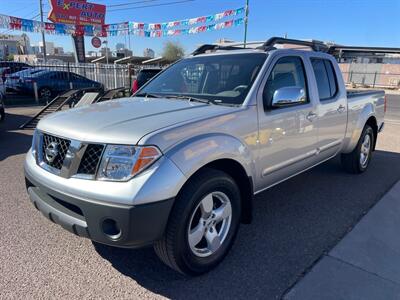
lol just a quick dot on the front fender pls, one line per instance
(356, 123)
(198, 151)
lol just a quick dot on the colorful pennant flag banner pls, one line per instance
(187, 22)
(175, 32)
(172, 28)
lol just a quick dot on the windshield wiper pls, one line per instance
(147, 95)
(201, 100)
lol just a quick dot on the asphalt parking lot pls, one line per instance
(294, 224)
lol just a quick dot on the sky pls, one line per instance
(346, 22)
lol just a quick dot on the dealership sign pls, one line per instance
(77, 12)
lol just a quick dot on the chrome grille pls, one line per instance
(63, 146)
(90, 159)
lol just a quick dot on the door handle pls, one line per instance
(341, 108)
(311, 116)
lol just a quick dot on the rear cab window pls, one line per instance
(325, 77)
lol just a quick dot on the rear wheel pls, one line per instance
(202, 225)
(358, 160)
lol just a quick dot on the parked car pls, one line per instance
(143, 77)
(2, 96)
(177, 166)
(51, 83)
(9, 67)
(13, 80)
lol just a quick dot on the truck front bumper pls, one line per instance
(128, 226)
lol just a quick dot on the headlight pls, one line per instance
(121, 163)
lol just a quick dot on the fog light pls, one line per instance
(111, 229)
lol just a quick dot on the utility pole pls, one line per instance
(43, 37)
(129, 41)
(246, 20)
(106, 43)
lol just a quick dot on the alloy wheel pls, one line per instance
(365, 150)
(209, 224)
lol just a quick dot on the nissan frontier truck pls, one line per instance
(178, 164)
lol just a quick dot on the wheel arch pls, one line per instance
(222, 152)
(366, 116)
(244, 182)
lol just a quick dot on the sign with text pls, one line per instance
(79, 49)
(77, 12)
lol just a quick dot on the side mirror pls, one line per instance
(287, 96)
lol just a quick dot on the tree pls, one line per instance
(173, 51)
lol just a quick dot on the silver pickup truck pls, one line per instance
(177, 165)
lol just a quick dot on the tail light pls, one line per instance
(135, 86)
(385, 104)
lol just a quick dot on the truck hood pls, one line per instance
(125, 121)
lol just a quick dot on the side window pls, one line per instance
(332, 77)
(325, 77)
(287, 72)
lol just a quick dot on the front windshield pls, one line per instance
(222, 79)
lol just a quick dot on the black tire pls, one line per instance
(45, 93)
(351, 162)
(2, 110)
(173, 249)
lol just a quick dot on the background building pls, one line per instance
(92, 54)
(49, 48)
(148, 53)
(119, 46)
(58, 50)
(13, 45)
(105, 51)
(123, 53)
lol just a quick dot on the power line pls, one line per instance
(131, 3)
(153, 5)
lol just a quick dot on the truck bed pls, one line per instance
(356, 93)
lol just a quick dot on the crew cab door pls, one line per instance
(287, 134)
(332, 106)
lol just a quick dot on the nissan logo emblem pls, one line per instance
(52, 152)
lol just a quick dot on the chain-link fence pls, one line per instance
(375, 79)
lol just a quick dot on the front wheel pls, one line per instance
(45, 94)
(202, 225)
(358, 160)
